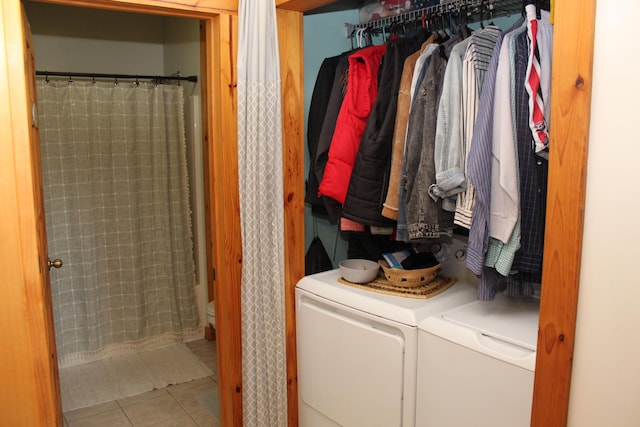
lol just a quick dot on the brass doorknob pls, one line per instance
(57, 263)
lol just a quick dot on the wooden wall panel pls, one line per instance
(570, 109)
(291, 39)
(224, 209)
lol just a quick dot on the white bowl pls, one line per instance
(358, 270)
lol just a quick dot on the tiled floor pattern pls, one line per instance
(191, 404)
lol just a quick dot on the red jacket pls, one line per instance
(362, 89)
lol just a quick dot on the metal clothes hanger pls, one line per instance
(491, 13)
(481, 14)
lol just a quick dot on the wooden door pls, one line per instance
(30, 393)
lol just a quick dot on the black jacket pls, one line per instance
(317, 111)
(329, 206)
(370, 176)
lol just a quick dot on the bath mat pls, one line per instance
(383, 286)
(121, 376)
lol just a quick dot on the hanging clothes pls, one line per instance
(521, 279)
(370, 176)
(444, 145)
(500, 255)
(421, 66)
(320, 100)
(504, 203)
(390, 205)
(425, 217)
(479, 164)
(474, 67)
(537, 80)
(402, 230)
(336, 97)
(533, 173)
(362, 89)
(506, 169)
(448, 146)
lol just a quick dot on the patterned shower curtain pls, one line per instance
(264, 388)
(117, 213)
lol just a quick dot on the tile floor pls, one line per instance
(192, 404)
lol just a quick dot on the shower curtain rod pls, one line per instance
(193, 79)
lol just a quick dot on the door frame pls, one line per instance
(219, 51)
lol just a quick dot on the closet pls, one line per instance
(381, 126)
(30, 369)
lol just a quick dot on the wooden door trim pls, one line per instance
(570, 117)
(33, 398)
(224, 244)
(183, 8)
(291, 39)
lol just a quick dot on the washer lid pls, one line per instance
(409, 311)
(513, 320)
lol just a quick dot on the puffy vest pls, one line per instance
(362, 90)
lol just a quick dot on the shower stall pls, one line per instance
(123, 197)
(119, 289)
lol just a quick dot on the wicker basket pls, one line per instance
(409, 278)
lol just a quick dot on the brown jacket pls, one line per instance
(390, 207)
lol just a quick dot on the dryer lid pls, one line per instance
(405, 310)
(513, 320)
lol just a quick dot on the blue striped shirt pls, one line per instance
(479, 166)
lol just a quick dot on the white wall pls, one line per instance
(182, 50)
(324, 36)
(98, 41)
(605, 387)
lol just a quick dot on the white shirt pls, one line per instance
(505, 195)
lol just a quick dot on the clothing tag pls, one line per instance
(381, 231)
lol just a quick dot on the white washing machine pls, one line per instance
(476, 364)
(357, 351)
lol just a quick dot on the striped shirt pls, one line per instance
(501, 255)
(479, 166)
(474, 67)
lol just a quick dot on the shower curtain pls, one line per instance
(264, 381)
(117, 213)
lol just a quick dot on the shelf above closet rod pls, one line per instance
(476, 10)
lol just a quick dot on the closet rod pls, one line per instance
(193, 79)
(478, 9)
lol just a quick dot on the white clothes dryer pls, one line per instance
(357, 351)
